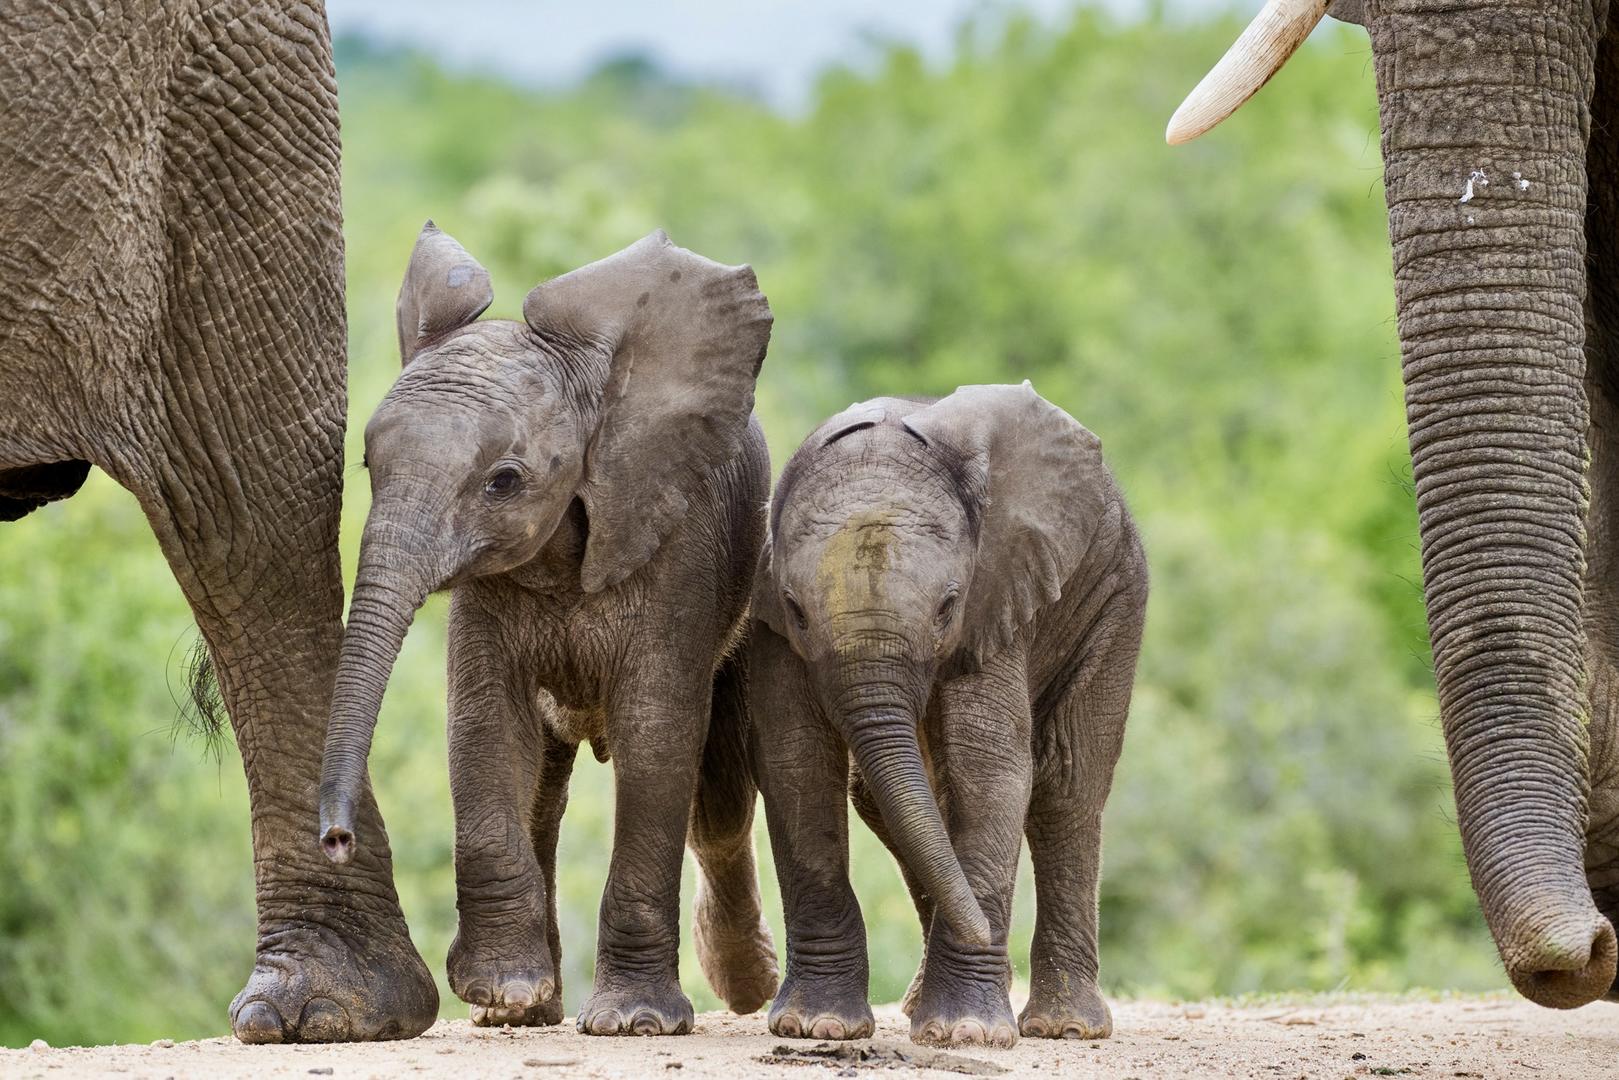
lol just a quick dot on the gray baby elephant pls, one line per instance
(591, 484)
(948, 612)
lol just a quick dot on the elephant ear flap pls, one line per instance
(444, 290)
(766, 598)
(1039, 484)
(683, 338)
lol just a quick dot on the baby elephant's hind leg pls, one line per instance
(1072, 779)
(544, 830)
(732, 937)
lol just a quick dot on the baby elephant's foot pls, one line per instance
(513, 984)
(821, 1009)
(738, 958)
(620, 1007)
(962, 1013)
(1077, 1012)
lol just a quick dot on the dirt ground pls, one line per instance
(1327, 1038)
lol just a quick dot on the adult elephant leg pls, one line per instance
(801, 764)
(1602, 833)
(1489, 296)
(231, 435)
(334, 960)
(501, 961)
(963, 995)
(1602, 576)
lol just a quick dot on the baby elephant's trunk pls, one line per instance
(387, 592)
(883, 742)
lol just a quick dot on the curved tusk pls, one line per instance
(1278, 30)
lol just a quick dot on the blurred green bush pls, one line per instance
(1220, 314)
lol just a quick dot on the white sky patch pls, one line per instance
(777, 47)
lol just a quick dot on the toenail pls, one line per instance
(644, 1023)
(258, 1022)
(826, 1028)
(323, 1020)
(518, 996)
(968, 1031)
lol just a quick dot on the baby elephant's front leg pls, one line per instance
(962, 998)
(500, 962)
(656, 731)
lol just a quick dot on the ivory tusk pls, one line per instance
(1276, 32)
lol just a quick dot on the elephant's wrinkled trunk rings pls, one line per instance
(1489, 295)
(884, 746)
(390, 586)
(1490, 286)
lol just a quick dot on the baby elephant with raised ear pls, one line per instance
(590, 484)
(950, 605)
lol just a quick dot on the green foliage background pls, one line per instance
(1220, 314)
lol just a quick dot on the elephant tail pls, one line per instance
(734, 945)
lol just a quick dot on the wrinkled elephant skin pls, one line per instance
(590, 485)
(172, 258)
(948, 613)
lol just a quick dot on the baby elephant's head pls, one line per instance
(626, 384)
(908, 540)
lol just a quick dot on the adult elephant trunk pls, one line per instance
(878, 720)
(392, 582)
(1485, 119)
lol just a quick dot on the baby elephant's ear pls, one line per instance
(766, 600)
(444, 289)
(1041, 482)
(684, 338)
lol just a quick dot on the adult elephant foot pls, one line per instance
(312, 983)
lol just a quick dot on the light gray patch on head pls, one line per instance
(458, 276)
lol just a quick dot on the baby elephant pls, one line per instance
(949, 608)
(590, 483)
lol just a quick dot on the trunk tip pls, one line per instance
(972, 927)
(1569, 970)
(338, 843)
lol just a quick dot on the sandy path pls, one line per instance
(1325, 1038)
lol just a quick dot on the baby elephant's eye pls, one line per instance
(948, 606)
(504, 482)
(800, 620)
